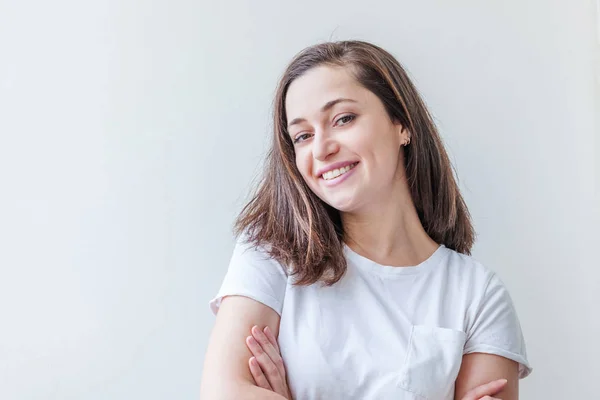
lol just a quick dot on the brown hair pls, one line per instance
(304, 233)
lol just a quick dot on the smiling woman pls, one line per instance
(354, 253)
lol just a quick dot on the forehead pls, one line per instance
(319, 85)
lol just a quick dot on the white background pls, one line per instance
(131, 131)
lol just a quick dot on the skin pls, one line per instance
(380, 220)
(226, 375)
(268, 371)
(380, 223)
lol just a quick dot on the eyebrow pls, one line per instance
(326, 107)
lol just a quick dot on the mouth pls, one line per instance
(335, 173)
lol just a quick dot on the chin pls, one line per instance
(343, 199)
(341, 203)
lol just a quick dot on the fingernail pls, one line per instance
(503, 381)
(267, 330)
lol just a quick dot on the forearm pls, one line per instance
(252, 392)
(240, 391)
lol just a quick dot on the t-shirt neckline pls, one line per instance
(388, 270)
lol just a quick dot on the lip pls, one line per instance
(331, 167)
(337, 180)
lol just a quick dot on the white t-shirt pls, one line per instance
(381, 332)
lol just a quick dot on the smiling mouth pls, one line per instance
(337, 172)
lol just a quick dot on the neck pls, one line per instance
(389, 232)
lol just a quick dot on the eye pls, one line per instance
(301, 138)
(347, 118)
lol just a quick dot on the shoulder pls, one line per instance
(253, 273)
(247, 254)
(472, 283)
(468, 270)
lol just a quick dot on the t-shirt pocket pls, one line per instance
(432, 362)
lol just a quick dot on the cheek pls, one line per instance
(381, 150)
(304, 164)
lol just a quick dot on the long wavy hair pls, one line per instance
(304, 233)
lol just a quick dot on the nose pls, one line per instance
(324, 146)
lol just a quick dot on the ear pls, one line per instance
(404, 135)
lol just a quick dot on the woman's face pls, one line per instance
(347, 148)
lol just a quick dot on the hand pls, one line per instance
(266, 365)
(484, 392)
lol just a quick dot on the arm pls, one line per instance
(226, 375)
(479, 368)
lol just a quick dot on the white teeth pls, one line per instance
(337, 172)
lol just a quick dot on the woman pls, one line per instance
(354, 253)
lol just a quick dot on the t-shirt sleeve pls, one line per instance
(253, 273)
(496, 328)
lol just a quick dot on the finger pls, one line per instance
(265, 342)
(271, 351)
(488, 389)
(269, 369)
(271, 338)
(257, 374)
